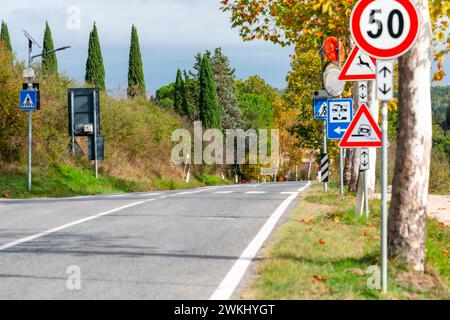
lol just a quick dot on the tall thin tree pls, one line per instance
(49, 61)
(210, 110)
(179, 93)
(136, 82)
(4, 36)
(95, 69)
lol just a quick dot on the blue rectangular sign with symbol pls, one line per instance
(339, 117)
(320, 108)
(28, 100)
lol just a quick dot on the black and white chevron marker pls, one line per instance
(325, 168)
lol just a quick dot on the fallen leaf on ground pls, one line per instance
(322, 242)
(308, 220)
(319, 278)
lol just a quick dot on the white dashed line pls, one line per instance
(224, 192)
(256, 192)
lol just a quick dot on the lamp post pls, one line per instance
(30, 76)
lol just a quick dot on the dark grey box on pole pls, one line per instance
(83, 108)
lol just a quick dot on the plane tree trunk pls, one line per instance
(407, 222)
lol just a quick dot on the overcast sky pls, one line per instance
(170, 31)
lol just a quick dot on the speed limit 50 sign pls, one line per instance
(384, 29)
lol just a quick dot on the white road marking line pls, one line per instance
(116, 196)
(287, 193)
(256, 192)
(72, 224)
(149, 194)
(237, 272)
(224, 192)
(305, 187)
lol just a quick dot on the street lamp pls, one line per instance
(30, 75)
(48, 52)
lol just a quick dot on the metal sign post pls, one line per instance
(72, 116)
(325, 151)
(365, 166)
(385, 93)
(95, 134)
(30, 120)
(375, 28)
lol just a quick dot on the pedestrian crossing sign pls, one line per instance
(28, 100)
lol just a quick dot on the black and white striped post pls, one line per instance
(325, 168)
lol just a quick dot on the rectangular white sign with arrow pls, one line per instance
(363, 96)
(365, 160)
(385, 80)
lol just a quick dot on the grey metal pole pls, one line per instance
(95, 135)
(325, 148)
(366, 194)
(30, 121)
(72, 102)
(384, 194)
(341, 171)
(30, 147)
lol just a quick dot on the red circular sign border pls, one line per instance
(384, 53)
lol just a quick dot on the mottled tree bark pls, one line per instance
(407, 222)
(356, 163)
(348, 167)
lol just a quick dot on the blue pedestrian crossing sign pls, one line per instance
(28, 100)
(339, 117)
(320, 108)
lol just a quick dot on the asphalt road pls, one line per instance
(190, 245)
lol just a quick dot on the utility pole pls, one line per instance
(30, 117)
(29, 77)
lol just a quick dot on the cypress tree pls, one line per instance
(192, 89)
(224, 77)
(180, 93)
(210, 110)
(185, 103)
(49, 61)
(4, 36)
(95, 69)
(136, 82)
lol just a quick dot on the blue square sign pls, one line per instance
(28, 100)
(320, 108)
(339, 117)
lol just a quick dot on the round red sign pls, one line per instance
(385, 29)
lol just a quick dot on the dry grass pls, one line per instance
(325, 252)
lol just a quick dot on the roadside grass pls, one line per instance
(325, 252)
(65, 181)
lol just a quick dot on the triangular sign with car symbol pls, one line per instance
(363, 132)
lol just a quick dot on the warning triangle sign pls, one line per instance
(363, 132)
(28, 102)
(359, 67)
